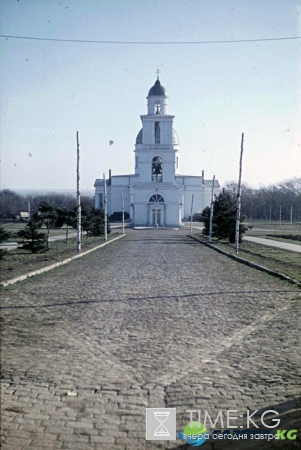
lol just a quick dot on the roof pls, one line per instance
(139, 137)
(157, 89)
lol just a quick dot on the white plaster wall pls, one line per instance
(148, 131)
(197, 201)
(152, 100)
(123, 180)
(207, 195)
(171, 204)
(145, 164)
(115, 202)
(172, 214)
(202, 198)
(140, 214)
(166, 124)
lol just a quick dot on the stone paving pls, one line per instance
(153, 320)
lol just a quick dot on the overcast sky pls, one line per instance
(51, 89)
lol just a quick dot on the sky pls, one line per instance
(217, 91)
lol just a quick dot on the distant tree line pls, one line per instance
(269, 202)
(51, 211)
(11, 203)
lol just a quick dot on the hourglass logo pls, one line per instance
(161, 424)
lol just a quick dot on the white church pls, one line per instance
(156, 195)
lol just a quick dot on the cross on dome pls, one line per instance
(157, 72)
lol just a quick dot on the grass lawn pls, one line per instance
(14, 227)
(283, 261)
(275, 237)
(273, 230)
(18, 262)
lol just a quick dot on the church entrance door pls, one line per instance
(156, 216)
(156, 212)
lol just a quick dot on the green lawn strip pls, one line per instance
(15, 227)
(283, 261)
(273, 238)
(280, 239)
(19, 262)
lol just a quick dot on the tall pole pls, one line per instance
(191, 214)
(239, 196)
(79, 212)
(211, 210)
(106, 207)
(291, 215)
(122, 201)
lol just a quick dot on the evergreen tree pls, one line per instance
(45, 215)
(205, 218)
(65, 217)
(4, 235)
(93, 221)
(224, 218)
(33, 239)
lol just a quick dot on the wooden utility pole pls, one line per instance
(122, 201)
(106, 207)
(211, 210)
(239, 196)
(79, 211)
(191, 214)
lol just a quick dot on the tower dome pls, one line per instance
(157, 89)
(157, 100)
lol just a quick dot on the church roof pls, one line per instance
(139, 137)
(157, 89)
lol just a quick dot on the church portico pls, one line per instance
(156, 215)
(156, 195)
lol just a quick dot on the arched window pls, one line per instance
(156, 198)
(157, 108)
(157, 132)
(157, 170)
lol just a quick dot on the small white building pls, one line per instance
(156, 194)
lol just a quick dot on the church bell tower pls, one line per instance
(157, 144)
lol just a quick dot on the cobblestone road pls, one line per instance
(152, 320)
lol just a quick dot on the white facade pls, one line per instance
(156, 195)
